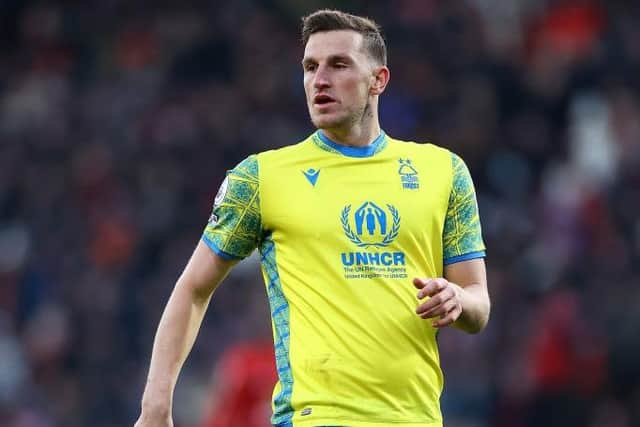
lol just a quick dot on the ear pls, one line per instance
(379, 80)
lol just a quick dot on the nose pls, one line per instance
(321, 78)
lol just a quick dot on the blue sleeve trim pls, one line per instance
(216, 250)
(465, 257)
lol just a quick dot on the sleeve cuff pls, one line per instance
(216, 250)
(464, 257)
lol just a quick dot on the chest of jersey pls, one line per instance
(343, 236)
(367, 216)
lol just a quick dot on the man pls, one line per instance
(347, 222)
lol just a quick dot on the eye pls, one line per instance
(309, 67)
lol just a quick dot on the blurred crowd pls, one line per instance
(118, 120)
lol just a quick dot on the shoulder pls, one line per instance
(424, 152)
(253, 165)
(418, 147)
(288, 151)
(248, 166)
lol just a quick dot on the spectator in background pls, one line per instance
(242, 387)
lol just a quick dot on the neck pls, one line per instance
(355, 136)
(359, 134)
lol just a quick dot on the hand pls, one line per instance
(147, 420)
(444, 301)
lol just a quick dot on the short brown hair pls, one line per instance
(333, 20)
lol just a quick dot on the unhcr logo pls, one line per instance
(371, 226)
(371, 258)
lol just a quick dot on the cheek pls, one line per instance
(355, 88)
(360, 91)
(306, 82)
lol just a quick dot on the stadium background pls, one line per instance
(119, 118)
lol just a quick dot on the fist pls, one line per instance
(444, 303)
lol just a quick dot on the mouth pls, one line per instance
(323, 100)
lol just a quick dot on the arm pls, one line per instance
(177, 331)
(471, 277)
(460, 298)
(232, 233)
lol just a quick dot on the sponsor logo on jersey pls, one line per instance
(372, 228)
(408, 175)
(312, 175)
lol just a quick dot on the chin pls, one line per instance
(326, 122)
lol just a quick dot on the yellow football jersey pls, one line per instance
(342, 231)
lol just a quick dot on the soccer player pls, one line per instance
(369, 246)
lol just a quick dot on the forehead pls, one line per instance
(333, 43)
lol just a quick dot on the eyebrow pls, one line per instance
(331, 58)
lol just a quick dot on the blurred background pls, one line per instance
(118, 120)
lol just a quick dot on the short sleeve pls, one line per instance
(462, 234)
(235, 227)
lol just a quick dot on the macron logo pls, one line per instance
(312, 176)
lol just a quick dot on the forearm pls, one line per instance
(475, 308)
(174, 339)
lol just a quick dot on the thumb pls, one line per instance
(420, 283)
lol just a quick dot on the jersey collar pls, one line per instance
(327, 144)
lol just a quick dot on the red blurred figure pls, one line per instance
(242, 389)
(570, 28)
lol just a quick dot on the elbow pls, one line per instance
(196, 292)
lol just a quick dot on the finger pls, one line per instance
(441, 310)
(434, 302)
(445, 297)
(420, 283)
(448, 319)
(439, 290)
(432, 287)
